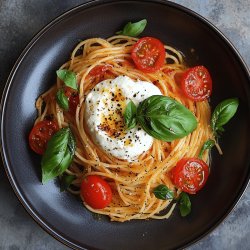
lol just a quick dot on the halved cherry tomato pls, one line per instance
(197, 83)
(40, 135)
(148, 54)
(101, 72)
(73, 98)
(96, 192)
(190, 174)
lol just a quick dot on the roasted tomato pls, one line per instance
(101, 72)
(196, 83)
(73, 97)
(40, 135)
(148, 54)
(190, 174)
(96, 192)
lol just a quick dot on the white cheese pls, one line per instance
(104, 109)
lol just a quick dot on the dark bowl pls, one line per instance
(63, 215)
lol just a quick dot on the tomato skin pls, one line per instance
(148, 54)
(190, 174)
(40, 135)
(73, 98)
(101, 72)
(196, 83)
(96, 192)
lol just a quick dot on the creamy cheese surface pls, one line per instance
(104, 109)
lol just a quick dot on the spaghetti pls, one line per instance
(132, 183)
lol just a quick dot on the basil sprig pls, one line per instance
(62, 99)
(163, 192)
(206, 146)
(163, 118)
(184, 204)
(130, 115)
(68, 77)
(66, 181)
(223, 112)
(58, 155)
(133, 29)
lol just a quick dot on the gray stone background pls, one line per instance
(19, 21)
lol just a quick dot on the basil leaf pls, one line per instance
(130, 115)
(71, 143)
(68, 77)
(62, 100)
(65, 163)
(66, 181)
(58, 154)
(184, 204)
(223, 112)
(133, 29)
(163, 192)
(164, 118)
(206, 146)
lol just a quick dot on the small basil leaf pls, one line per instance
(58, 154)
(54, 153)
(71, 143)
(206, 146)
(66, 181)
(66, 161)
(164, 118)
(133, 29)
(223, 112)
(62, 100)
(130, 115)
(60, 168)
(184, 204)
(68, 77)
(163, 192)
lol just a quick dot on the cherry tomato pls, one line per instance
(190, 174)
(148, 54)
(101, 72)
(96, 192)
(73, 98)
(40, 135)
(196, 83)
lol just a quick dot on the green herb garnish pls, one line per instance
(62, 99)
(130, 115)
(133, 29)
(163, 118)
(66, 181)
(68, 77)
(223, 112)
(58, 155)
(163, 192)
(206, 146)
(184, 204)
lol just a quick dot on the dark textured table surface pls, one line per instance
(19, 21)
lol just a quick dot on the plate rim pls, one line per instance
(45, 225)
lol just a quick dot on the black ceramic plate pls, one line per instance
(61, 214)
